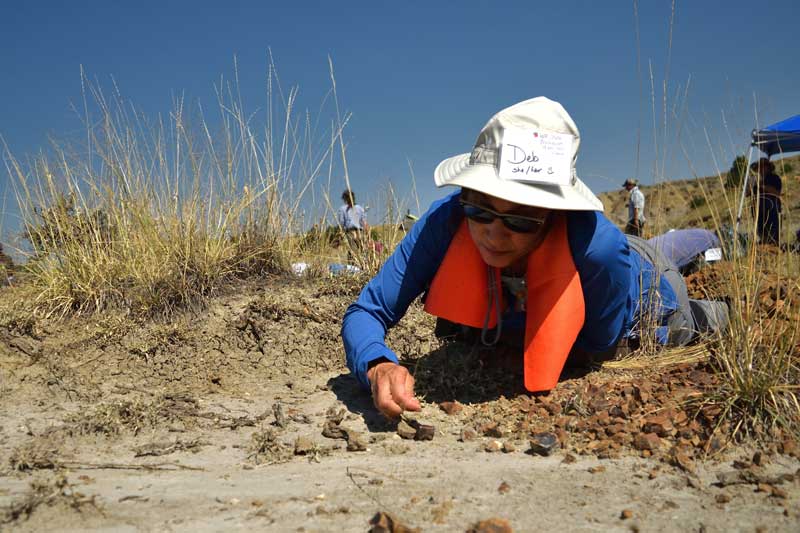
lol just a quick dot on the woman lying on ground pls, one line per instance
(521, 252)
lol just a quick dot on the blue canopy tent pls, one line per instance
(779, 138)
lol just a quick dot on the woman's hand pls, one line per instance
(392, 389)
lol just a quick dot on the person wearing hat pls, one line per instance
(520, 252)
(636, 218)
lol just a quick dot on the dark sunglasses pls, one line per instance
(516, 223)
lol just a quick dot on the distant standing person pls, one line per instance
(636, 217)
(769, 188)
(352, 217)
(352, 220)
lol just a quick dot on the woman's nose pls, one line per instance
(496, 229)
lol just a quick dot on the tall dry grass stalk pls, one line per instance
(153, 217)
(758, 356)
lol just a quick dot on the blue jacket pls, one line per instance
(615, 279)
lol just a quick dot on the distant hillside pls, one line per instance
(688, 203)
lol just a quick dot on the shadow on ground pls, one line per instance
(456, 371)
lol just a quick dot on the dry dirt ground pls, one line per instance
(243, 416)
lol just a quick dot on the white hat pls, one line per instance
(525, 154)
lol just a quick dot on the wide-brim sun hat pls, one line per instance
(525, 154)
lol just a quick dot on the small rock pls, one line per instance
(764, 487)
(386, 523)
(492, 525)
(280, 417)
(759, 459)
(569, 459)
(508, 447)
(715, 444)
(355, 441)
(405, 430)
(503, 488)
(303, 446)
(543, 443)
(597, 469)
(660, 425)
(788, 447)
(468, 434)
(332, 430)
(646, 441)
(778, 492)
(451, 408)
(421, 431)
(682, 460)
(491, 429)
(722, 498)
(493, 446)
(425, 432)
(626, 514)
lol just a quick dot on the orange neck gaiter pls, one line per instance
(555, 308)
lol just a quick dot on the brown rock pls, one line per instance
(552, 408)
(643, 391)
(722, 498)
(569, 459)
(421, 431)
(468, 434)
(490, 429)
(563, 437)
(492, 446)
(613, 429)
(660, 425)
(451, 408)
(626, 514)
(616, 411)
(508, 447)
(682, 460)
(386, 523)
(503, 488)
(764, 487)
(788, 447)
(646, 441)
(597, 469)
(778, 492)
(492, 525)
(425, 432)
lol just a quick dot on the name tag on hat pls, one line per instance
(536, 156)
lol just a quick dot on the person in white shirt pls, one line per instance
(636, 218)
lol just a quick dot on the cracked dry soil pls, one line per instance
(243, 416)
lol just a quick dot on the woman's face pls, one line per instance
(498, 245)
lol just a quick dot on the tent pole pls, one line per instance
(741, 200)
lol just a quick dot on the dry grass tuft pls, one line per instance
(47, 493)
(116, 417)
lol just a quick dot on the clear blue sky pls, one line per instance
(422, 77)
